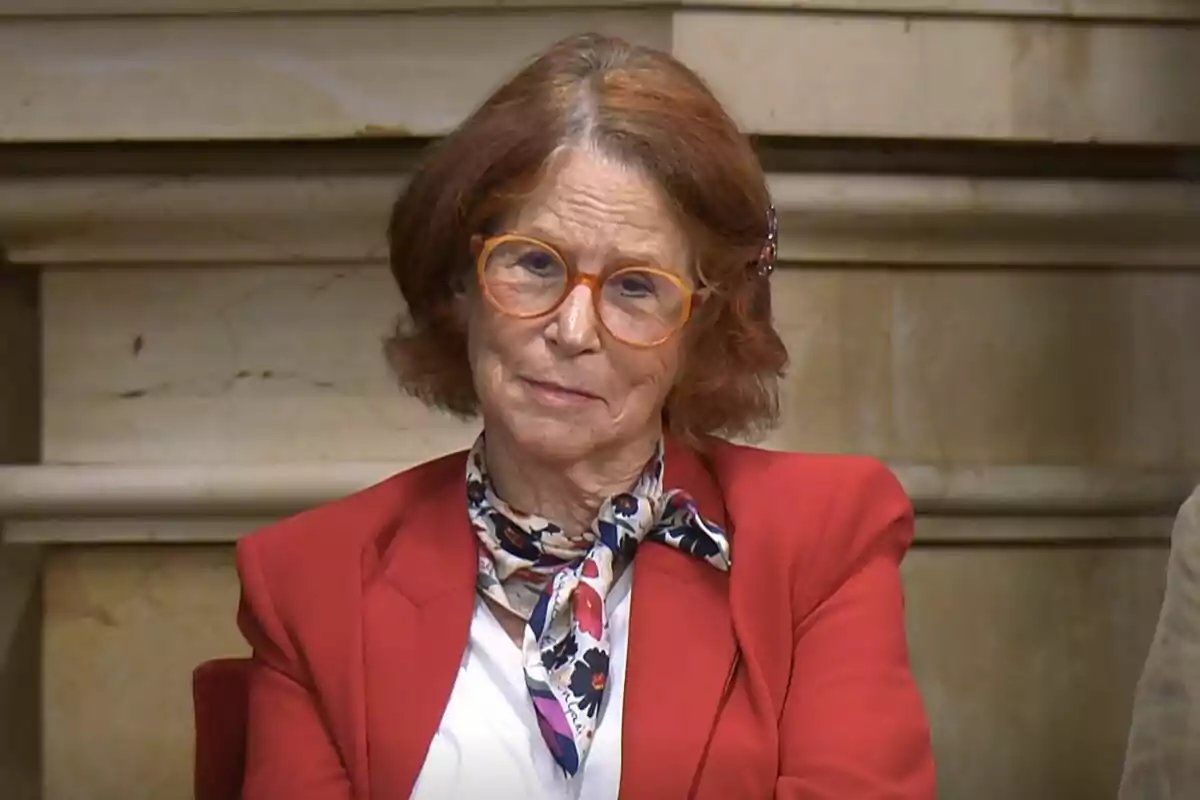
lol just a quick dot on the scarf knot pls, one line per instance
(559, 584)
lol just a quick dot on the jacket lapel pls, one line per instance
(416, 621)
(681, 651)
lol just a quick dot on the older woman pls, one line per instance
(599, 599)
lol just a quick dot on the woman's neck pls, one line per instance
(569, 495)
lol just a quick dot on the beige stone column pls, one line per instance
(20, 564)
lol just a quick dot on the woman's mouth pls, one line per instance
(556, 394)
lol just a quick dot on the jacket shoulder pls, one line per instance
(315, 545)
(807, 483)
(1185, 544)
(1188, 519)
(817, 517)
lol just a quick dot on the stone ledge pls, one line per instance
(887, 220)
(932, 530)
(213, 492)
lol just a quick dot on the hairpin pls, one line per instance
(770, 249)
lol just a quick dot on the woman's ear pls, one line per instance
(461, 305)
(463, 285)
(462, 297)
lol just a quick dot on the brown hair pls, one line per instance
(646, 109)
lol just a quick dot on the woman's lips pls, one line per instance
(554, 394)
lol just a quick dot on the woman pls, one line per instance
(600, 599)
(1163, 757)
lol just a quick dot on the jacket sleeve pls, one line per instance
(853, 722)
(289, 752)
(1163, 757)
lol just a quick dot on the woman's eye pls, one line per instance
(635, 286)
(539, 263)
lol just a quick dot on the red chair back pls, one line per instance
(220, 702)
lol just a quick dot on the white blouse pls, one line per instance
(488, 744)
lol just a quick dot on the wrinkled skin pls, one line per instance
(571, 414)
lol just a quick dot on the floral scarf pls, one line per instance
(531, 567)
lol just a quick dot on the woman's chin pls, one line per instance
(556, 438)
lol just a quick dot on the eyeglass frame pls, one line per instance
(576, 277)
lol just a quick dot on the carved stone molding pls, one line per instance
(111, 503)
(825, 219)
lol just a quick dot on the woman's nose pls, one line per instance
(576, 328)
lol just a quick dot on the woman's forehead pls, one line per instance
(590, 203)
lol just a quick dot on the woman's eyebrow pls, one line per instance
(554, 237)
(536, 231)
(636, 257)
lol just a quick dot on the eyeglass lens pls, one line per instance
(636, 304)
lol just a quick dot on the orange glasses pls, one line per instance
(527, 278)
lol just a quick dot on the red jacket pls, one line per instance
(786, 678)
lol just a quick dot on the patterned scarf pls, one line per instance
(531, 567)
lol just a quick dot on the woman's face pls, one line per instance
(560, 386)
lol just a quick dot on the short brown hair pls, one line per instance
(647, 109)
